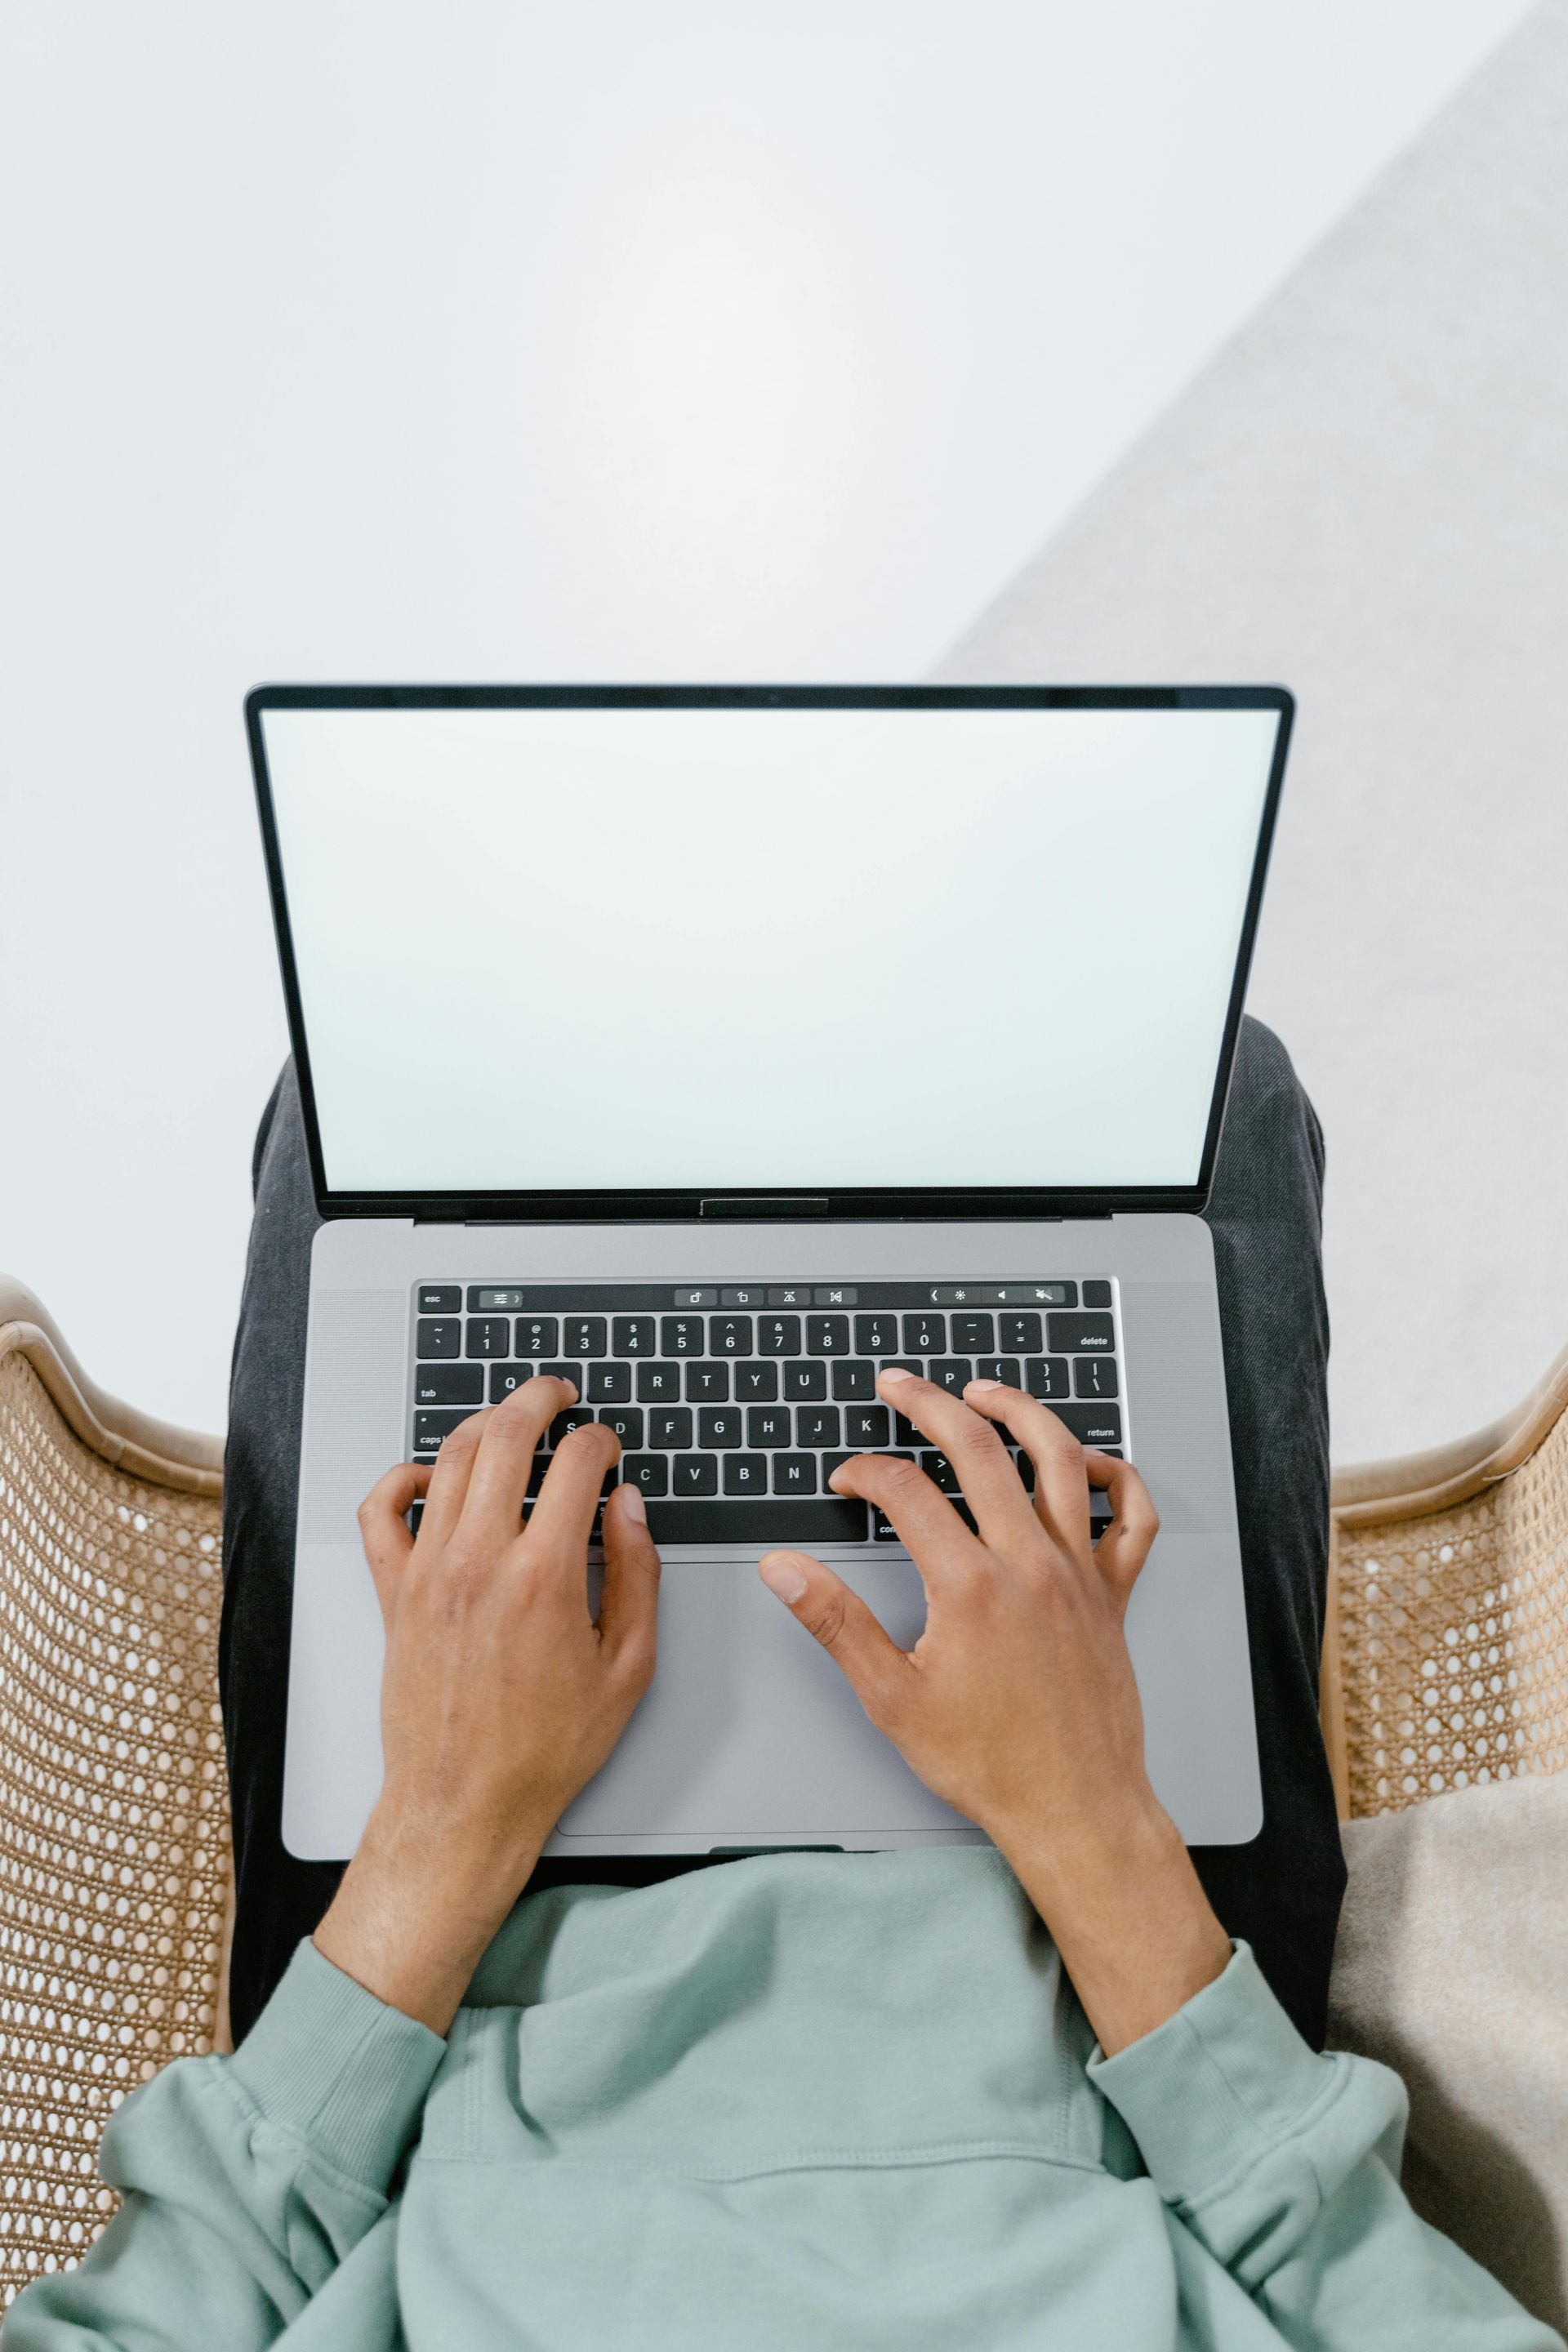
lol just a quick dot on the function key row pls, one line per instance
(505, 1298)
(630, 1338)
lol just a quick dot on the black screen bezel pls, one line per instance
(842, 1205)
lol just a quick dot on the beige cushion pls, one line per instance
(1452, 1968)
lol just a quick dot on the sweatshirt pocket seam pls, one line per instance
(804, 2159)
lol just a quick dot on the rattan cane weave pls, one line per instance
(1451, 1577)
(114, 1843)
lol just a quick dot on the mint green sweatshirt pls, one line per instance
(830, 2103)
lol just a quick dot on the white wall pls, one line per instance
(523, 341)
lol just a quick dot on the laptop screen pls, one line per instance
(722, 946)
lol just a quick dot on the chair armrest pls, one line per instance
(119, 1433)
(1446, 1654)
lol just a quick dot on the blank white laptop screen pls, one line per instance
(557, 950)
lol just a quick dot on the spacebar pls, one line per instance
(770, 1519)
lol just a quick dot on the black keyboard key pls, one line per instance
(756, 1382)
(827, 1334)
(1005, 1369)
(794, 1474)
(1094, 1376)
(670, 1425)
(658, 1383)
(830, 1463)
(952, 1373)
(487, 1335)
(854, 1382)
(876, 1335)
(720, 1426)
(626, 1419)
(573, 1372)
(975, 1334)
(729, 1335)
(866, 1427)
(707, 1383)
(649, 1473)
(1026, 1472)
(1046, 1376)
(576, 1416)
(817, 1424)
(1097, 1294)
(779, 1335)
(925, 1335)
(440, 1297)
(939, 1470)
(768, 1424)
(745, 1474)
(905, 1433)
(609, 1383)
(777, 1519)
(905, 1364)
(450, 1384)
(436, 1340)
(431, 1426)
(537, 1335)
(683, 1335)
(632, 1335)
(585, 1334)
(1021, 1334)
(805, 1382)
(1092, 1424)
(1075, 1335)
(696, 1474)
(505, 1378)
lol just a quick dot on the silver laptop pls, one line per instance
(717, 1047)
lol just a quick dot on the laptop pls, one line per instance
(716, 1046)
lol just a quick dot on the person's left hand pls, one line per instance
(500, 1697)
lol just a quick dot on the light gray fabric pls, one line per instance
(1452, 1968)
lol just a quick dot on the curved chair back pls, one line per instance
(114, 1835)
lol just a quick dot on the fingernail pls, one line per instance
(982, 1384)
(632, 1504)
(896, 1372)
(781, 1575)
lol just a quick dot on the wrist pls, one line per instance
(1128, 1914)
(415, 1910)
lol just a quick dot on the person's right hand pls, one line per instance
(500, 1697)
(1018, 1704)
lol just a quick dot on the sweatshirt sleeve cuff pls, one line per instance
(1209, 2090)
(328, 2061)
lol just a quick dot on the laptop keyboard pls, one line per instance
(734, 1403)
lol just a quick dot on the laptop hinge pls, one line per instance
(782, 1204)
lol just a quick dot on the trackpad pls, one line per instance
(749, 1729)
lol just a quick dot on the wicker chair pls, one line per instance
(1446, 1662)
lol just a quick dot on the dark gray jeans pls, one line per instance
(1282, 1892)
